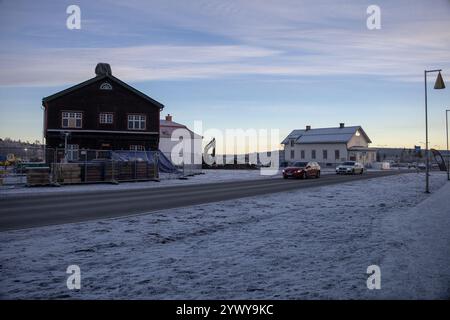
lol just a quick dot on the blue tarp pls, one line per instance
(164, 164)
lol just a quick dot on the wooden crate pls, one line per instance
(94, 172)
(39, 176)
(67, 173)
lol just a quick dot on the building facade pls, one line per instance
(171, 134)
(102, 113)
(329, 146)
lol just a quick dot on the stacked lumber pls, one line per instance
(67, 173)
(39, 176)
(125, 170)
(94, 172)
(111, 171)
(145, 171)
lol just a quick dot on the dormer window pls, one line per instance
(105, 86)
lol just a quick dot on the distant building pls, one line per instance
(102, 113)
(329, 145)
(166, 144)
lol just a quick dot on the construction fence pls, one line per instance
(47, 166)
(39, 165)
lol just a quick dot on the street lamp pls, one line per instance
(448, 153)
(439, 84)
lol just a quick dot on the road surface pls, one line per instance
(49, 209)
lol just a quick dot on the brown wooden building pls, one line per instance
(102, 113)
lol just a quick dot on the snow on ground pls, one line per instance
(207, 176)
(306, 244)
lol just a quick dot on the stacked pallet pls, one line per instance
(94, 172)
(144, 171)
(125, 170)
(39, 176)
(111, 171)
(67, 173)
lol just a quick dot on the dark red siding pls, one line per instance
(91, 101)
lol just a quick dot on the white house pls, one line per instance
(167, 128)
(329, 146)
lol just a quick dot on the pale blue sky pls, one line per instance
(237, 64)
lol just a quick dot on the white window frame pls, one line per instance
(72, 152)
(106, 117)
(137, 122)
(137, 147)
(74, 119)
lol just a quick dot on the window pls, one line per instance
(336, 155)
(137, 147)
(106, 118)
(292, 143)
(72, 119)
(313, 154)
(292, 154)
(325, 154)
(105, 86)
(136, 122)
(72, 152)
(302, 154)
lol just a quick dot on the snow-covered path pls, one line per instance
(305, 244)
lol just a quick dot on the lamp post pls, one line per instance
(448, 154)
(439, 84)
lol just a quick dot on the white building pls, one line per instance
(329, 146)
(169, 129)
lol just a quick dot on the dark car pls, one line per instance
(302, 170)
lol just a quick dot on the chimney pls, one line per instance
(169, 117)
(308, 128)
(341, 125)
(102, 69)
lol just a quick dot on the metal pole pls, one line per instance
(427, 178)
(448, 155)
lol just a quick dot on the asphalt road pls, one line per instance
(49, 209)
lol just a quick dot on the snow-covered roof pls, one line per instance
(166, 128)
(325, 135)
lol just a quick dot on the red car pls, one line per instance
(302, 170)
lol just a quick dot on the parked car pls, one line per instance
(421, 166)
(350, 167)
(412, 165)
(302, 170)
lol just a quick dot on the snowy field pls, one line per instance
(307, 244)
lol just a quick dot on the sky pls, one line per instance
(253, 64)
